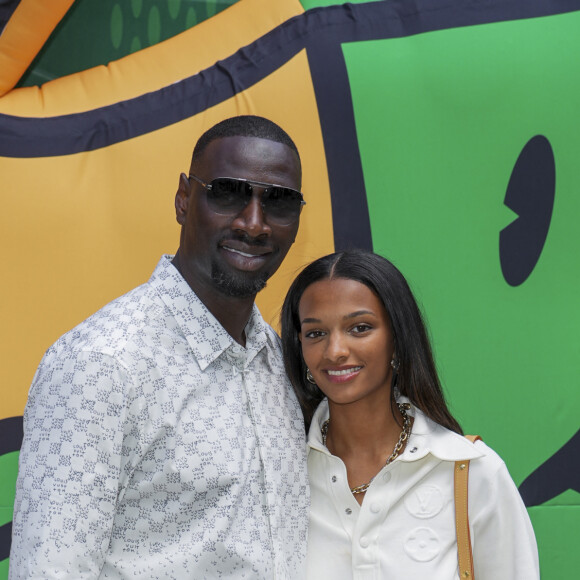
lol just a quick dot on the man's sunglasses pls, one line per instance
(230, 195)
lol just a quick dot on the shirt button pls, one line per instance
(364, 542)
(387, 477)
(348, 511)
(376, 507)
(333, 479)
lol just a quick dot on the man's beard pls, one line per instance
(238, 284)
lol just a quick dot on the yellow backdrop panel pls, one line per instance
(80, 230)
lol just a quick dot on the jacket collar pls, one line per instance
(427, 437)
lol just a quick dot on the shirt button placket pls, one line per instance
(376, 507)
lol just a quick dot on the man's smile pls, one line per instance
(246, 250)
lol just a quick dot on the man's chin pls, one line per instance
(239, 285)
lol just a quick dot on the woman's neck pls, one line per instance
(366, 438)
(361, 427)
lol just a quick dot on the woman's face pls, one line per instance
(346, 341)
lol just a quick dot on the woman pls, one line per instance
(382, 443)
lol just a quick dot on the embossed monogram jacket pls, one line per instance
(405, 528)
(157, 447)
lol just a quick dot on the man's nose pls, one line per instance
(252, 219)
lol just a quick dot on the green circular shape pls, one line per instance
(116, 26)
(173, 6)
(190, 17)
(154, 26)
(135, 44)
(136, 6)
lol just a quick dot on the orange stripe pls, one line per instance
(156, 66)
(25, 34)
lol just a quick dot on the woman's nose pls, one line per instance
(337, 347)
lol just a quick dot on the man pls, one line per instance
(162, 439)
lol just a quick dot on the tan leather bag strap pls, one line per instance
(461, 478)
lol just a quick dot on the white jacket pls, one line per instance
(405, 528)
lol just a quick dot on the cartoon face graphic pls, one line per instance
(471, 186)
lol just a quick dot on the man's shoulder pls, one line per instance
(111, 328)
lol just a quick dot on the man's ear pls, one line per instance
(182, 198)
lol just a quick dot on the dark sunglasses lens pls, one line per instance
(282, 204)
(229, 195)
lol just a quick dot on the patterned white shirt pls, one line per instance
(156, 446)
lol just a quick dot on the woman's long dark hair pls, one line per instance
(416, 376)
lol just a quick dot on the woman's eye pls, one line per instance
(360, 328)
(314, 334)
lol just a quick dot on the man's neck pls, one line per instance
(231, 312)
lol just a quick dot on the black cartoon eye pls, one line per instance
(530, 194)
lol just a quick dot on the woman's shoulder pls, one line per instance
(447, 445)
(428, 437)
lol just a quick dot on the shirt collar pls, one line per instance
(205, 335)
(314, 433)
(427, 437)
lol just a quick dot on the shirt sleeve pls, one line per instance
(504, 544)
(70, 467)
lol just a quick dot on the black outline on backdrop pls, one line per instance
(556, 475)
(11, 432)
(321, 31)
(7, 8)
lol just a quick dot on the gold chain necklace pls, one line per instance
(403, 408)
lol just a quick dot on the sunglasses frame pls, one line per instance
(264, 186)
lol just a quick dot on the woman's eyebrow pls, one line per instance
(310, 320)
(360, 313)
(346, 317)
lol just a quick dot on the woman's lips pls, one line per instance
(342, 375)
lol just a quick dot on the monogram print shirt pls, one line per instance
(405, 527)
(157, 447)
